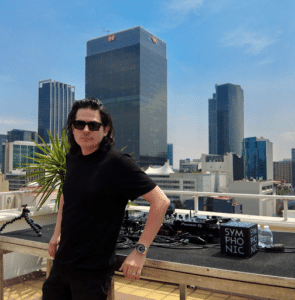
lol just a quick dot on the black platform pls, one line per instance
(274, 264)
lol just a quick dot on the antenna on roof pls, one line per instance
(105, 30)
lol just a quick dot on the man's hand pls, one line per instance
(132, 265)
(53, 244)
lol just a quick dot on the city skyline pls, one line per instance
(248, 43)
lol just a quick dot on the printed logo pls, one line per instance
(111, 38)
(154, 39)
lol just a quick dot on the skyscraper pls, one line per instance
(170, 154)
(226, 119)
(55, 103)
(258, 158)
(293, 167)
(213, 125)
(3, 139)
(22, 135)
(127, 71)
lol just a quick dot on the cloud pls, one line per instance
(266, 61)
(14, 121)
(253, 43)
(5, 78)
(185, 6)
(289, 136)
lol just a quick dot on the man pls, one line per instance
(98, 184)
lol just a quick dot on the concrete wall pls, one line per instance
(254, 206)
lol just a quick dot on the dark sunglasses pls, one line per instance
(92, 125)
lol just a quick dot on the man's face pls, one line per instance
(88, 140)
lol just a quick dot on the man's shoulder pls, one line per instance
(115, 153)
(119, 158)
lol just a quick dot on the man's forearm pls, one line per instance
(57, 229)
(155, 219)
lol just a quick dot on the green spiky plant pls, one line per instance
(50, 163)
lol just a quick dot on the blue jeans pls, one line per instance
(67, 283)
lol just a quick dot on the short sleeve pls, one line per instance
(131, 181)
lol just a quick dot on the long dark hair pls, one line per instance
(94, 104)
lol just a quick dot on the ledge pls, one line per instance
(8, 214)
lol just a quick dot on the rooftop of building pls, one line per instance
(120, 31)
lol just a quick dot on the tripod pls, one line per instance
(34, 226)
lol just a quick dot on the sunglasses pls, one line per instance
(92, 125)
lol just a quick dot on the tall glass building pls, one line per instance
(55, 103)
(127, 71)
(293, 167)
(22, 135)
(3, 139)
(258, 158)
(226, 120)
(170, 154)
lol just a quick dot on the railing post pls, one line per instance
(1, 275)
(196, 201)
(285, 209)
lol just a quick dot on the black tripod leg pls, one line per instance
(36, 224)
(31, 223)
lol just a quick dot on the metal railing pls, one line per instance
(195, 195)
(16, 197)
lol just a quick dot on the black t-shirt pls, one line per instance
(96, 190)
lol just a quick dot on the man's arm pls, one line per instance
(52, 247)
(133, 264)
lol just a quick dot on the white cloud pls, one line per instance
(266, 61)
(185, 6)
(14, 121)
(252, 42)
(5, 78)
(289, 136)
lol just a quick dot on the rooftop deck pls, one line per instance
(29, 287)
(26, 287)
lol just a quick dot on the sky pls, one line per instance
(245, 42)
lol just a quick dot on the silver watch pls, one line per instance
(141, 249)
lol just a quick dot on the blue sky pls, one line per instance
(245, 42)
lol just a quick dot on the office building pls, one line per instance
(282, 170)
(258, 158)
(55, 103)
(127, 71)
(14, 152)
(220, 204)
(255, 206)
(21, 135)
(167, 179)
(16, 179)
(3, 139)
(230, 164)
(293, 167)
(213, 125)
(188, 166)
(226, 119)
(170, 154)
